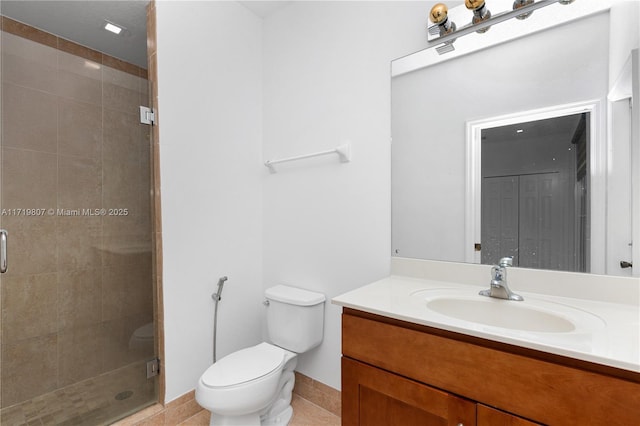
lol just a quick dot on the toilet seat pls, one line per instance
(244, 366)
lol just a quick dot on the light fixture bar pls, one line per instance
(495, 19)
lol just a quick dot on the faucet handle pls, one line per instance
(506, 261)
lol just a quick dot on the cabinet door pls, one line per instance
(488, 416)
(371, 396)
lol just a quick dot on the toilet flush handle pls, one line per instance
(266, 302)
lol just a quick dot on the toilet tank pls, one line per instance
(295, 317)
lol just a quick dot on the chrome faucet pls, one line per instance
(499, 287)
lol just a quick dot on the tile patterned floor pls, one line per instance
(87, 403)
(304, 414)
(79, 404)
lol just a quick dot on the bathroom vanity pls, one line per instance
(422, 347)
(406, 361)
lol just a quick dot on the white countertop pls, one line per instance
(616, 342)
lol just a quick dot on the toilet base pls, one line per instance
(281, 419)
(280, 411)
(246, 420)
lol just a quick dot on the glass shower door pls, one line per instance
(77, 297)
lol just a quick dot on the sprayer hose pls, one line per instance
(215, 326)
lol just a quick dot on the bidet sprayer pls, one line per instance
(216, 298)
(218, 295)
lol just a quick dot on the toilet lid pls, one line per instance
(244, 366)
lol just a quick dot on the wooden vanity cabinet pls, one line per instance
(400, 373)
(487, 416)
(383, 398)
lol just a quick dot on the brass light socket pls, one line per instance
(438, 13)
(480, 12)
(518, 4)
(473, 4)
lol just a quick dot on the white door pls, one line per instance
(545, 232)
(526, 217)
(499, 219)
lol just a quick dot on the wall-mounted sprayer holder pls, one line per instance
(217, 296)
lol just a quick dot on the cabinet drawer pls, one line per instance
(534, 389)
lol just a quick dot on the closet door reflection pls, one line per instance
(522, 217)
(534, 193)
(500, 219)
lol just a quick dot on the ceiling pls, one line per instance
(82, 21)
(565, 125)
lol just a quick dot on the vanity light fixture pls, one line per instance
(445, 31)
(480, 13)
(439, 15)
(110, 26)
(518, 4)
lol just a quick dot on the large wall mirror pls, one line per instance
(525, 145)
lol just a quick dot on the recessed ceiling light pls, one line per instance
(112, 27)
(519, 131)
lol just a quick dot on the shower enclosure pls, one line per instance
(76, 301)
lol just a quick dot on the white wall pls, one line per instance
(235, 91)
(326, 80)
(624, 35)
(210, 100)
(310, 76)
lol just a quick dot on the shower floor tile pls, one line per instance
(87, 403)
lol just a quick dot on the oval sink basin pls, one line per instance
(504, 315)
(531, 315)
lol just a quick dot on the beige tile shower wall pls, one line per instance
(78, 285)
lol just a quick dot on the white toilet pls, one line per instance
(253, 386)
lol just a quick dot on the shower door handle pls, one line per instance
(3, 251)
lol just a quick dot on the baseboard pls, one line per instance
(173, 413)
(318, 393)
(185, 407)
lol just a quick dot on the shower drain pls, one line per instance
(124, 395)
